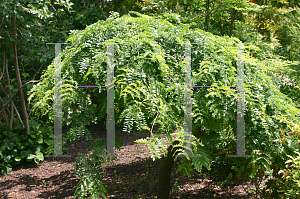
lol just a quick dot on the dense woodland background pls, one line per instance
(270, 31)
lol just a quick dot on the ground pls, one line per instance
(133, 175)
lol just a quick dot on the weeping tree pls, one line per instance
(149, 58)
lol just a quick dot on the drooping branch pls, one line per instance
(30, 82)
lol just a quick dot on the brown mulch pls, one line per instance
(133, 175)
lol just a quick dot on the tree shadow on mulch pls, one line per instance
(133, 175)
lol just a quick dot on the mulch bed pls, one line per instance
(133, 175)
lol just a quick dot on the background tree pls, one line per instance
(37, 23)
(20, 36)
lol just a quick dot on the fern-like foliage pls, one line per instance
(157, 146)
(199, 157)
(89, 170)
(149, 88)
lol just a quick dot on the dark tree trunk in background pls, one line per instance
(173, 6)
(232, 17)
(207, 14)
(164, 173)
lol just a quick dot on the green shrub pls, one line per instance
(19, 147)
(291, 178)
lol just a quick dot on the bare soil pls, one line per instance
(133, 175)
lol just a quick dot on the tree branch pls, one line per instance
(30, 82)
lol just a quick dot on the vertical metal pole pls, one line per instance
(110, 124)
(57, 103)
(240, 125)
(187, 102)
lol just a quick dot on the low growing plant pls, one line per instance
(291, 178)
(19, 147)
(90, 170)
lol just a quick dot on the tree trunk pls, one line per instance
(232, 17)
(164, 173)
(5, 61)
(207, 14)
(17, 70)
(173, 6)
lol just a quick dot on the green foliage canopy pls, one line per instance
(149, 84)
